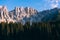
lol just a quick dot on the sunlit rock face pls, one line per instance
(21, 14)
(4, 15)
(28, 14)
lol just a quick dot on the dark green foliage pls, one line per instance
(36, 31)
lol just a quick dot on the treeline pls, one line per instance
(36, 31)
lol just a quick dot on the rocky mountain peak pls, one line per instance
(21, 14)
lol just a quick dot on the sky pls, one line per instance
(36, 4)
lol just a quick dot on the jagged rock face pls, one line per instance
(20, 14)
(28, 14)
(4, 15)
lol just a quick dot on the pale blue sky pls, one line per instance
(36, 4)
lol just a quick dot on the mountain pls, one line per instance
(21, 14)
(4, 15)
(28, 14)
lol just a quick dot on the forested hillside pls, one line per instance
(36, 31)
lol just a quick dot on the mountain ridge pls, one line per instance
(23, 15)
